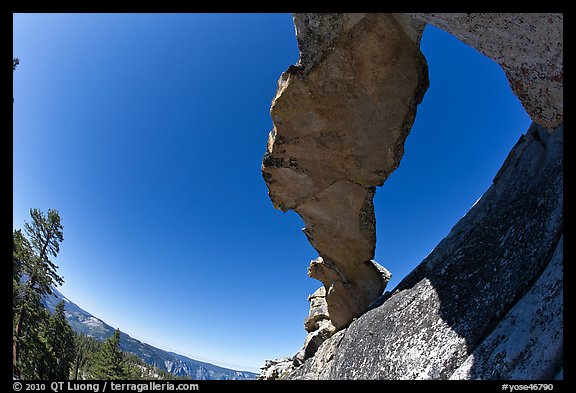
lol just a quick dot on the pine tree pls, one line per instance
(59, 339)
(32, 349)
(33, 352)
(21, 254)
(110, 362)
(135, 367)
(85, 348)
(31, 260)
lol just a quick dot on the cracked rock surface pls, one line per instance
(487, 303)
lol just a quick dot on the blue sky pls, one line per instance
(147, 131)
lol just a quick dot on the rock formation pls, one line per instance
(487, 302)
(318, 324)
(319, 328)
(341, 116)
(528, 47)
(276, 369)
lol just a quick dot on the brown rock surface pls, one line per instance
(341, 116)
(318, 325)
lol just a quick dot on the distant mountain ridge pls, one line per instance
(84, 322)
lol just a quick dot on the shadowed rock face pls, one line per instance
(528, 47)
(486, 303)
(341, 117)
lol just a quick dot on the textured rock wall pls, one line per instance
(486, 303)
(528, 342)
(530, 49)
